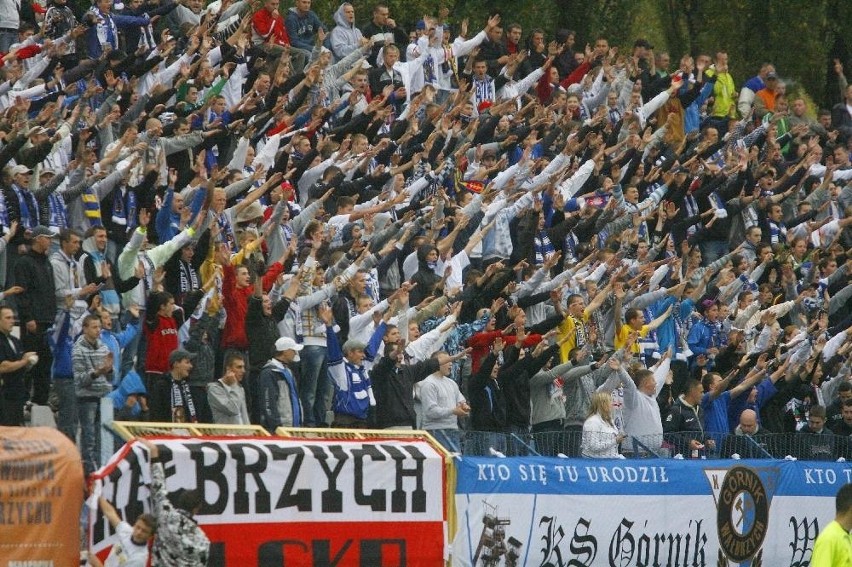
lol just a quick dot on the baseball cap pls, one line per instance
(42, 230)
(771, 75)
(20, 169)
(179, 354)
(286, 343)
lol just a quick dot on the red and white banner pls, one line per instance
(286, 502)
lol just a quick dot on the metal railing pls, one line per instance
(574, 444)
(131, 429)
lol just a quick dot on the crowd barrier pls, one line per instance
(301, 497)
(801, 446)
(394, 498)
(640, 513)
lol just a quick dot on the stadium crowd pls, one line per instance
(229, 213)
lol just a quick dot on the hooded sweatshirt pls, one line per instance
(425, 277)
(130, 384)
(345, 37)
(92, 262)
(302, 28)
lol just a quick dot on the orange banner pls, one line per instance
(41, 495)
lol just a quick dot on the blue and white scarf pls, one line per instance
(4, 212)
(543, 247)
(124, 213)
(57, 211)
(28, 206)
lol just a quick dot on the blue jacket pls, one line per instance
(692, 113)
(61, 343)
(115, 342)
(168, 222)
(667, 332)
(302, 29)
(701, 337)
(131, 384)
(275, 412)
(353, 390)
(106, 30)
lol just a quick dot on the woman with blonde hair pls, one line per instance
(600, 436)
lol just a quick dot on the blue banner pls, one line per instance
(697, 513)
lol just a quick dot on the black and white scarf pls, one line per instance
(188, 277)
(182, 399)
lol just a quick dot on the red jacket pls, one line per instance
(235, 301)
(162, 340)
(270, 28)
(481, 344)
(576, 75)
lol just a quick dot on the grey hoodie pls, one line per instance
(345, 37)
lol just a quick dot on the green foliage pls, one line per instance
(800, 38)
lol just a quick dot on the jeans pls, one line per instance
(7, 38)
(549, 438)
(39, 375)
(254, 394)
(315, 387)
(573, 438)
(66, 418)
(159, 388)
(11, 410)
(128, 353)
(202, 407)
(450, 439)
(520, 441)
(478, 443)
(88, 410)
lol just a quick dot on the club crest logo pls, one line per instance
(742, 515)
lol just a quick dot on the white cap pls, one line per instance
(286, 343)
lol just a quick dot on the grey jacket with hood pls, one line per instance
(345, 37)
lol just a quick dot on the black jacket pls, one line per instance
(34, 273)
(425, 277)
(12, 386)
(262, 330)
(684, 424)
(393, 388)
(487, 398)
(13, 207)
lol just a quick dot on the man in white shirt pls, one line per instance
(10, 22)
(443, 403)
(642, 420)
(132, 547)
